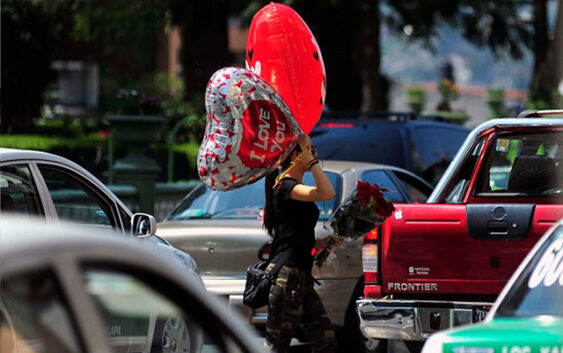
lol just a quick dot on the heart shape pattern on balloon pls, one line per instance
(250, 130)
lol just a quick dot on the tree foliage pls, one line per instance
(122, 36)
(348, 32)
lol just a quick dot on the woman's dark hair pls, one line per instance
(269, 211)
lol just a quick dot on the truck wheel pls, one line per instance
(352, 339)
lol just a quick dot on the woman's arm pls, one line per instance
(321, 192)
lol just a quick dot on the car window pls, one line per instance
(243, 203)
(539, 288)
(382, 179)
(34, 315)
(375, 142)
(141, 317)
(326, 208)
(76, 201)
(204, 202)
(417, 191)
(459, 183)
(432, 151)
(526, 164)
(451, 140)
(18, 193)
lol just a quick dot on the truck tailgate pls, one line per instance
(428, 248)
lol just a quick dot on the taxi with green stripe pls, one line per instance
(528, 315)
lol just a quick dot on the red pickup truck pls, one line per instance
(440, 264)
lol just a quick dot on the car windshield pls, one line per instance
(529, 165)
(244, 203)
(539, 288)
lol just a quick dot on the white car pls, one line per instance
(39, 184)
(67, 289)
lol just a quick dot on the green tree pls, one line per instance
(122, 36)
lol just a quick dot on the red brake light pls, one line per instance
(337, 125)
(371, 277)
(371, 237)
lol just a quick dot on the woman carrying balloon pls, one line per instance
(290, 216)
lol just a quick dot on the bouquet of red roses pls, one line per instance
(366, 210)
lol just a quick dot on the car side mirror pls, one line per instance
(143, 225)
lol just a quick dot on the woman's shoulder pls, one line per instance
(285, 186)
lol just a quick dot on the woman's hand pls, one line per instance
(308, 150)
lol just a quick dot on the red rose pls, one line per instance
(363, 193)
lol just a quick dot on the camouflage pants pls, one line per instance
(294, 303)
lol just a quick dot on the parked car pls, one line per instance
(404, 140)
(528, 314)
(67, 288)
(443, 263)
(39, 184)
(223, 232)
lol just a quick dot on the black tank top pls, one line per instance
(294, 227)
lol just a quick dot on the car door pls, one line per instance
(145, 312)
(474, 245)
(75, 199)
(61, 307)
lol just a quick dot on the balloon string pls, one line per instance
(293, 163)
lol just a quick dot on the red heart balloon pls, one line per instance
(283, 51)
(249, 132)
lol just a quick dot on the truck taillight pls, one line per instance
(370, 257)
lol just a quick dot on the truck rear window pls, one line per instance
(525, 165)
